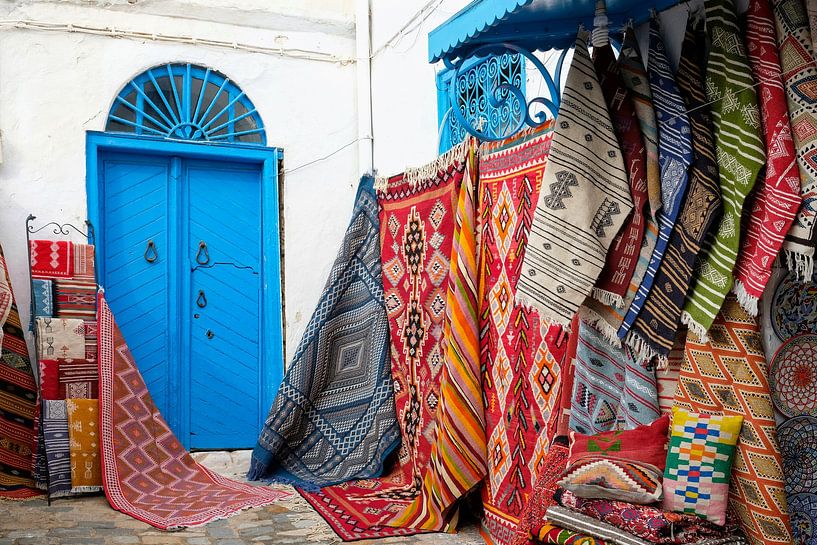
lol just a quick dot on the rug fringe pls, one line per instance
(381, 184)
(85, 489)
(800, 264)
(748, 301)
(607, 331)
(608, 297)
(528, 304)
(414, 176)
(694, 326)
(641, 349)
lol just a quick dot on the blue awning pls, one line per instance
(532, 24)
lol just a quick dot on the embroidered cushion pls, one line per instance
(621, 465)
(699, 463)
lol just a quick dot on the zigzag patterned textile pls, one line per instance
(741, 155)
(606, 317)
(580, 210)
(611, 389)
(654, 330)
(417, 225)
(147, 474)
(333, 418)
(799, 70)
(728, 376)
(18, 400)
(623, 254)
(675, 156)
(777, 199)
(520, 377)
(458, 459)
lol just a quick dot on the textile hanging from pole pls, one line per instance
(608, 318)
(777, 199)
(417, 219)
(655, 328)
(614, 280)
(520, 375)
(458, 461)
(146, 473)
(332, 422)
(740, 150)
(18, 428)
(728, 375)
(799, 70)
(579, 211)
(675, 155)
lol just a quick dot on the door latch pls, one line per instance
(201, 300)
(210, 334)
(150, 252)
(202, 255)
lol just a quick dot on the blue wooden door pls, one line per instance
(184, 251)
(224, 252)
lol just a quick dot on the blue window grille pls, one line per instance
(186, 102)
(473, 86)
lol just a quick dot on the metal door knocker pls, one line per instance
(201, 300)
(202, 253)
(150, 252)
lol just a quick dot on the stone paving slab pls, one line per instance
(89, 520)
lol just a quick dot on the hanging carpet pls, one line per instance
(417, 222)
(728, 376)
(146, 473)
(777, 200)
(333, 419)
(675, 156)
(18, 400)
(56, 445)
(458, 458)
(520, 377)
(83, 436)
(614, 280)
(799, 70)
(741, 155)
(608, 317)
(579, 210)
(611, 388)
(654, 329)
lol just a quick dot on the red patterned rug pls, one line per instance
(18, 400)
(521, 376)
(417, 212)
(147, 474)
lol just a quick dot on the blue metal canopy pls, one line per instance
(531, 24)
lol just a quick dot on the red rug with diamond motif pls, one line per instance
(417, 212)
(147, 474)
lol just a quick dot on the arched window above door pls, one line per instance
(186, 102)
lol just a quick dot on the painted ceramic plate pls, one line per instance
(798, 446)
(803, 509)
(794, 308)
(793, 376)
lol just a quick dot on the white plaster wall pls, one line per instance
(55, 86)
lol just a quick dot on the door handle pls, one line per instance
(201, 300)
(202, 253)
(150, 252)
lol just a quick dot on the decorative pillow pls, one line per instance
(621, 465)
(699, 463)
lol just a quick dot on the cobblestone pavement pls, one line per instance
(89, 520)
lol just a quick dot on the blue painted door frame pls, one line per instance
(98, 145)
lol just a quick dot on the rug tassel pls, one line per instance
(415, 176)
(694, 326)
(642, 351)
(608, 298)
(800, 264)
(746, 300)
(381, 184)
(607, 331)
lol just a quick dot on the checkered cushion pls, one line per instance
(699, 462)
